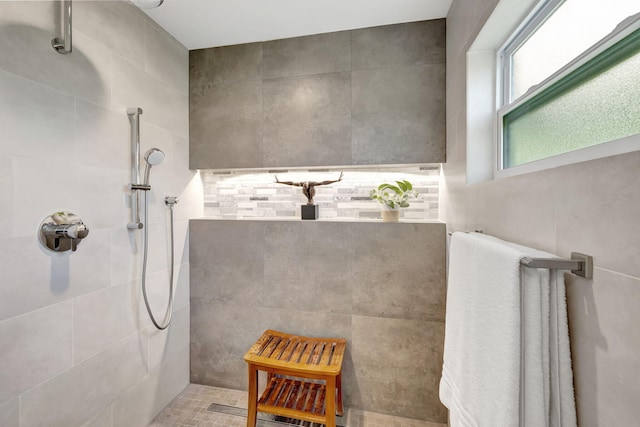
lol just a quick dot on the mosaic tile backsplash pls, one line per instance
(242, 194)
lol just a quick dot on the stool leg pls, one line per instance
(330, 402)
(253, 396)
(340, 411)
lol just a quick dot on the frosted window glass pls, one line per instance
(575, 26)
(602, 108)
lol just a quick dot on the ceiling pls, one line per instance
(208, 23)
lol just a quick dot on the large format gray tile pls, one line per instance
(138, 405)
(316, 54)
(306, 266)
(10, 413)
(164, 106)
(399, 270)
(604, 347)
(238, 63)
(226, 126)
(414, 43)
(126, 248)
(35, 347)
(183, 286)
(6, 193)
(225, 64)
(34, 277)
(35, 120)
(597, 208)
(169, 343)
(398, 366)
(28, 53)
(97, 197)
(112, 23)
(307, 121)
(201, 68)
(102, 137)
(102, 318)
(90, 385)
(220, 336)
(227, 262)
(398, 115)
(166, 58)
(503, 209)
(101, 419)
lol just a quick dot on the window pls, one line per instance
(570, 80)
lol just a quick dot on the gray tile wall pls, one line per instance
(591, 207)
(361, 97)
(379, 285)
(255, 194)
(76, 345)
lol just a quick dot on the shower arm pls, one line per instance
(62, 45)
(134, 120)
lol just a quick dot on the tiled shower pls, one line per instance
(76, 345)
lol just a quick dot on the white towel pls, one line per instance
(506, 358)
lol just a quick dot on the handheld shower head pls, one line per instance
(147, 4)
(153, 157)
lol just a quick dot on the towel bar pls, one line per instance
(579, 264)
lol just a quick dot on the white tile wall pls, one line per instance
(75, 338)
(44, 352)
(10, 413)
(590, 207)
(81, 392)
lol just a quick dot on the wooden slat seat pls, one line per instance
(294, 364)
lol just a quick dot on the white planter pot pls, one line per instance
(389, 214)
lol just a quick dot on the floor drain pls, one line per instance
(265, 420)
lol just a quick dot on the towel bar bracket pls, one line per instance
(579, 264)
(586, 265)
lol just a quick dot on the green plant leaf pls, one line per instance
(404, 204)
(409, 185)
(395, 189)
(402, 185)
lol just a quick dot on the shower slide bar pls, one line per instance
(134, 120)
(579, 264)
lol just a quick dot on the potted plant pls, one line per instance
(392, 198)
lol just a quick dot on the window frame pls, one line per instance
(530, 24)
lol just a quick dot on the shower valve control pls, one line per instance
(171, 200)
(62, 231)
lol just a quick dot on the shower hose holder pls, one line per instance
(62, 231)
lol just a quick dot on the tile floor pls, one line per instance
(189, 408)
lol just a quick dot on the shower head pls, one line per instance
(147, 4)
(153, 157)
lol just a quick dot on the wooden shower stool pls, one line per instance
(284, 356)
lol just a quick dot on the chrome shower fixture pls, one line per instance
(153, 157)
(134, 186)
(62, 44)
(147, 4)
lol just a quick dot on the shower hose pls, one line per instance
(169, 311)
